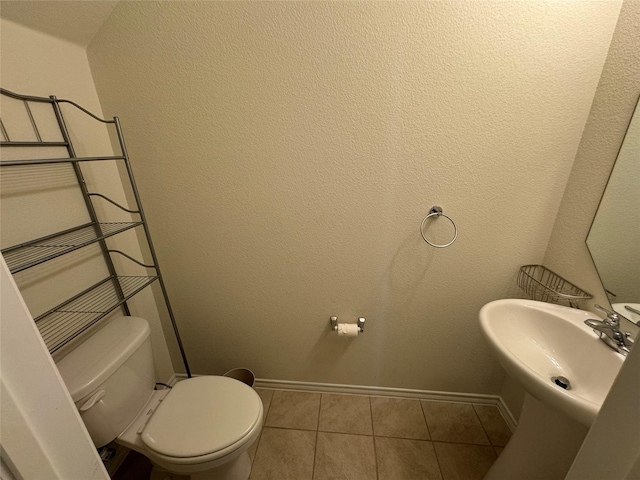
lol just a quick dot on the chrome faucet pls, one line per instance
(609, 331)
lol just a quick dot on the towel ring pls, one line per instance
(437, 211)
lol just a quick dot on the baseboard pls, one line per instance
(176, 377)
(379, 391)
(477, 398)
(512, 423)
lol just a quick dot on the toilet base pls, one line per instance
(237, 469)
(158, 473)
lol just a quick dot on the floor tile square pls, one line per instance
(399, 458)
(345, 414)
(464, 462)
(454, 422)
(493, 423)
(284, 454)
(298, 410)
(396, 417)
(341, 456)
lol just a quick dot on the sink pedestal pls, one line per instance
(537, 343)
(543, 446)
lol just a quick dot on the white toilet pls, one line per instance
(201, 428)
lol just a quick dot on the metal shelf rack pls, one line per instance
(544, 285)
(74, 316)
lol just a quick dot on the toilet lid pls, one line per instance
(202, 415)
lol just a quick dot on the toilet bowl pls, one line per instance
(201, 428)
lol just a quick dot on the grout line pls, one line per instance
(471, 444)
(264, 422)
(493, 449)
(266, 412)
(431, 440)
(375, 448)
(435, 454)
(484, 429)
(426, 422)
(373, 432)
(388, 436)
(315, 456)
(348, 433)
(375, 457)
(266, 416)
(299, 429)
(319, 411)
(315, 449)
(255, 454)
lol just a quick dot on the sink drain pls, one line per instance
(562, 382)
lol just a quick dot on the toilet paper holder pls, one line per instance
(334, 323)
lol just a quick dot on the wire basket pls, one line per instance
(540, 283)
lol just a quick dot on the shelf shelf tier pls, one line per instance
(45, 161)
(32, 253)
(68, 320)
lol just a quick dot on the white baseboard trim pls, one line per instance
(175, 377)
(512, 423)
(477, 398)
(379, 391)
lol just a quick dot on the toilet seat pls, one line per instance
(203, 418)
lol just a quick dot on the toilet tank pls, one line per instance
(111, 376)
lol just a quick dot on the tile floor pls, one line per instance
(327, 436)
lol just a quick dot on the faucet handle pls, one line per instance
(612, 317)
(605, 310)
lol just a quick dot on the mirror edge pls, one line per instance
(607, 292)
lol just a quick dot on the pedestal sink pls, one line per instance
(567, 372)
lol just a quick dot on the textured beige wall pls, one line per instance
(612, 108)
(287, 152)
(38, 201)
(75, 21)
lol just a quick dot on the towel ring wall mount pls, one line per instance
(436, 211)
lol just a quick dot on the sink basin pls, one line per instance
(536, 342)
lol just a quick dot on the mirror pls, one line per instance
(614, 237)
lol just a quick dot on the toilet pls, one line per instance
(202, 428)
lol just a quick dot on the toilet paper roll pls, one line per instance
(348, 329)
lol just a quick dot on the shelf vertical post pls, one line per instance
(87, 199)
(143, 219)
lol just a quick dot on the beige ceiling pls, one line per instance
(76, 21)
